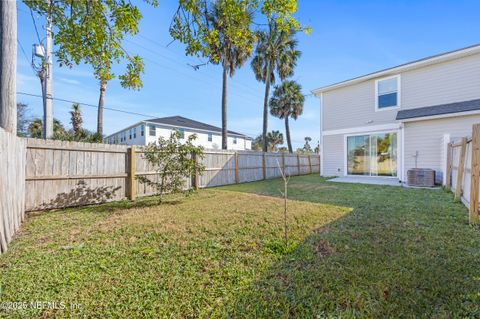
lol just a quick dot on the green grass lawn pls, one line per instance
(357, 251)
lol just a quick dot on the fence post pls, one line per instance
(461, 166)
(131, 174)
(448, 173)
(473, 217)
(195, 173)
(237, 176)
(310, 163)
(298, 163)
(283, 163)
(264, 165)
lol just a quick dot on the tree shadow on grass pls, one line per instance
(399, 253)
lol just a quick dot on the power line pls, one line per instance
(87, 104)
(250, 134)
(182, 64)
(26, 56)
(35, 25)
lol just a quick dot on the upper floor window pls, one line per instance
(134, 132)
(151, 130)
(130, 134)
(210, 137)
(387, 92)
(234, 140)
(142, 130)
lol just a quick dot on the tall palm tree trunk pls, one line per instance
(224, 107)
(287, 133)
(265, 110)
(101, 103)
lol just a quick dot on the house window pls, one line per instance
(182, 132)
(151, 130)
(130, 134)
(372, 154)
(387, 92)
(234, 140)
(210, 137)
(134, 132)
(142, 130)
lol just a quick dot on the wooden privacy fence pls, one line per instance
(62, 174)
(463, 171)
(12, 186)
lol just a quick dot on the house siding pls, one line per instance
(446, 82)
(333, 155)
(427, 137)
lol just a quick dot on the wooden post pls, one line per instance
(461, 167)
(310, 163)
(195, 173)
(448, 173)
(475, 171)
(298, 163)
(264, 165)
(237, 176)
(131, 174)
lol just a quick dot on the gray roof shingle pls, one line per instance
(457, 107)
(181, 121)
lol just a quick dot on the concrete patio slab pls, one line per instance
(367, 180)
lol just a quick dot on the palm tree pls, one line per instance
(35, 129)
(275, 53)
(76, 119)
(274, 138)
(287, 101)
(227, 53)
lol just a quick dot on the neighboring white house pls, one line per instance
(149, 131)
(387, 122)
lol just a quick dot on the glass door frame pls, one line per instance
(398, 159)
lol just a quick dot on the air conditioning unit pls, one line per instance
(421, 177)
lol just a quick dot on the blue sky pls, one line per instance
(349, 38)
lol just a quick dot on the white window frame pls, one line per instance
(399, 93)
(210, 137)
(150, 127)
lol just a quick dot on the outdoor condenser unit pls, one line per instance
(421, 177)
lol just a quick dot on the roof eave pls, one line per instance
(407, 66)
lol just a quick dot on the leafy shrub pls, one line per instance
(174, 161)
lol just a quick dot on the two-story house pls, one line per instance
(149, 131)
(387, 122)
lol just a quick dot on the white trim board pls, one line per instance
(364, 129)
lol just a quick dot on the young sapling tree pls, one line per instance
(174, 160)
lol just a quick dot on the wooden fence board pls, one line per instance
(12, 186)
(61, 174)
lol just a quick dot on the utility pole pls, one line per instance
(48, 103)
(8, 65)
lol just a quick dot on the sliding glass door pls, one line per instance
(372, 155)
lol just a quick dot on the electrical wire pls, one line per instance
(35, 25)
(148, 116)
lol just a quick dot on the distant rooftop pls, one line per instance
(180, 121)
